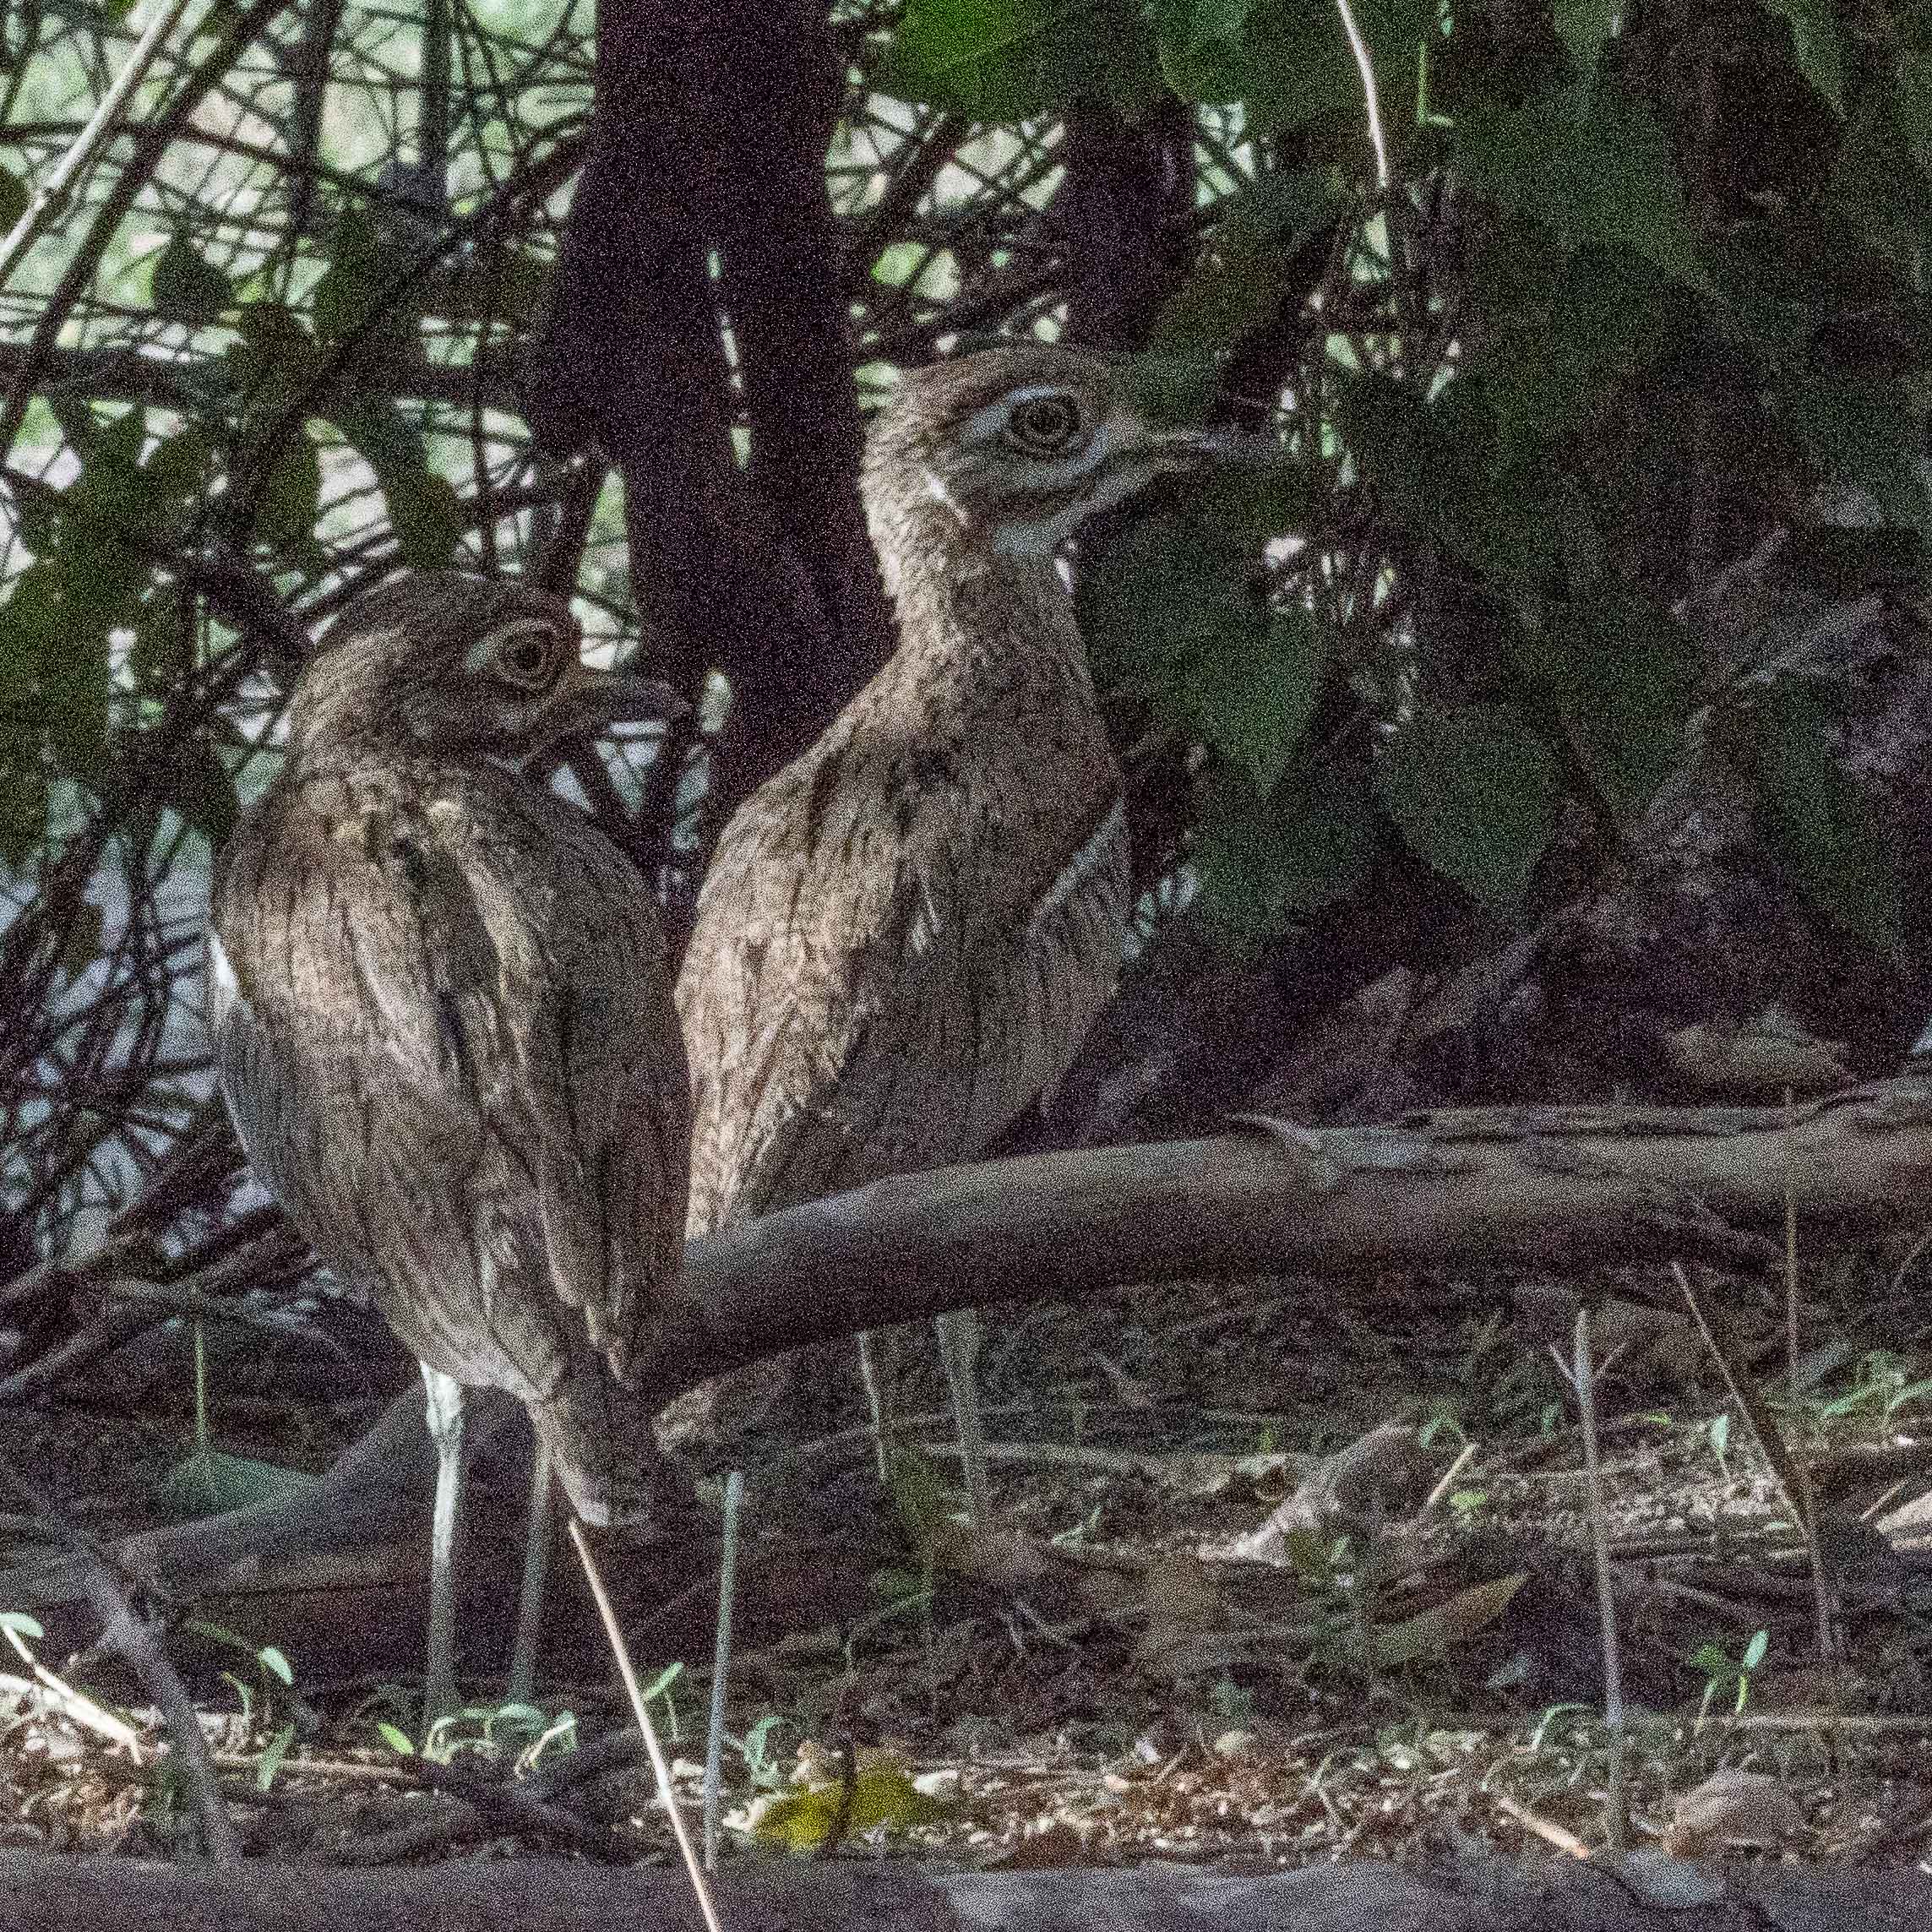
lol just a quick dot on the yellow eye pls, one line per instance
(1048, 425)
(528, 656)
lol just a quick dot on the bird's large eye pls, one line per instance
(528, 656)
(1048, 425)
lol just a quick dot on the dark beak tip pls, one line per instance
(664, 701)
(1245, 446)
(1201, 447)
(631, 699)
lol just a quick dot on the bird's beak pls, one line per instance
(1188, 448)
(590, 700)
(624, 695)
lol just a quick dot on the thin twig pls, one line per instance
(1792, 1480)
(1565, 1840)
(667, 1796)
(50, 196)
(722, 1664)
(1465, 1457)
(1790, 1240)
(1744, 1392)
(1365, 64)
(132, 1638)
(1617, 1803)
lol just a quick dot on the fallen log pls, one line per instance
(55, 1893)
(1561, 1186)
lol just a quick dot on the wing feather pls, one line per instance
(877, 982)
(450, 1052)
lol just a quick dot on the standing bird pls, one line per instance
(444, 1026)
(903, 935)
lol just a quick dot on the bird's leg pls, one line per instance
(535, 1575)
(959, 1351)
(872, 1375)
(444, 1411)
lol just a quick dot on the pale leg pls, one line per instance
(959, 1351)
(442, 1409)
(535, 1575)
(871, 1379)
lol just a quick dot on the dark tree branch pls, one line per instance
(785, 294)
(59, 1893)
(150, 147)
(131, 1637)
(1570, 1186)
(1122, 216)
(710, 139)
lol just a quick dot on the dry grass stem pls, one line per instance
(660, 1769)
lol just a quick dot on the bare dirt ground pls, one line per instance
(1119, 1665)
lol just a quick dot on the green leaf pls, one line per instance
(273, 1753)
(919, 1493)
(289, 500)
(1447, 1623)
(80, 942)
(271, 332)
(426, 516)
(500, 284)
(1867, 431)
(424, 509)
(881, 1793)
(187, 286)
(1173, 610)
(1289, 62)
(1238, 281)
(207, 1482)
(1434, 463)
(1009, 60)
(54, 688)
(396, 1738)
(1568, 326)
(18, 1623)
(23, 799)
(366, 289)
(1263, 862)
(663, 1682)
(1585, 26)
(273, 361)
(276, 1664)
(1172, 593)
(75, 706)
(1819, 819)
(178, 467)
(1815, 42)
(1475, 793)
(1252, 697)
(13, 200)
(1625, 678)
(1911, 106)
(1592, 165)
(201, 789)
(1877, 180)
(113, 493)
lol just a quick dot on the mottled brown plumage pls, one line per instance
(904, 935)
(443, 1021)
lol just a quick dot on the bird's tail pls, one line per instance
(605, 1452)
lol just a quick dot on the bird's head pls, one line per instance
(1019, 445)
(442, 662)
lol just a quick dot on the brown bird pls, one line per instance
(442, 1021)
(903, 935)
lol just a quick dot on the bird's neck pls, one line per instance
(335, 722)
(976, 627)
